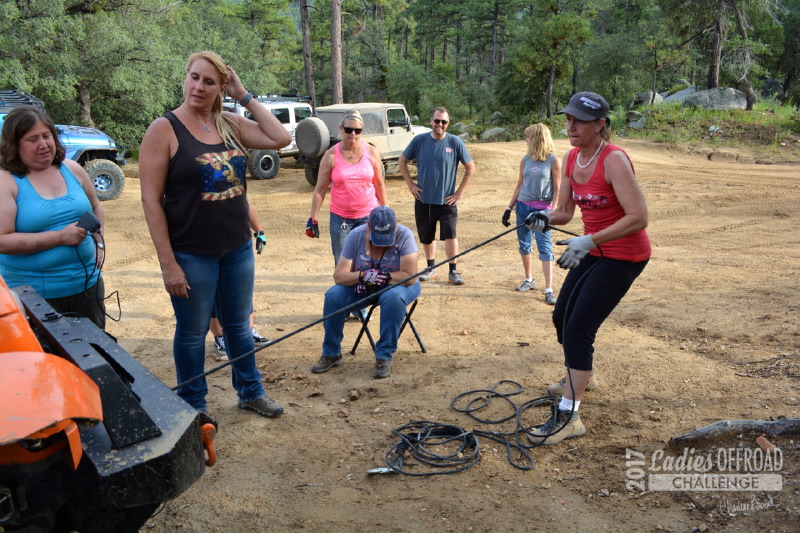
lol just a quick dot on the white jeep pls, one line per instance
(289, 110)
(386, 126)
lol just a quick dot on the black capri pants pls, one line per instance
(589, 293)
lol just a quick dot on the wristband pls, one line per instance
(246, 98)
(257, 233)
(100, 245)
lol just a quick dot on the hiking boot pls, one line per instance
(265, 406)
(219, 345)
(258, 340)
(526, 285)
(455, 278)
(326, 363)
(383, 368)
(557, 389)
(551, 431)
(549, 298)
(428, 275)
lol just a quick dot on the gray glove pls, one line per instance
(578, 248)
(538, 221)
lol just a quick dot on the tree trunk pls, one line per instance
(744, 82)
(85, 104)
(305, 24)
(548, 95)
(458, 49)
(716, 49)
(336, 52)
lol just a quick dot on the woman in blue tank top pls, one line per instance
(192, 173)
(42, 197)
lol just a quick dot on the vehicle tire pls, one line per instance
(312, 171)
(264, 164)
(107, 177)
(312, 137)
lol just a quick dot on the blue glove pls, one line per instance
(538, 221)
(578, 248)
(312, 228)
(261, 241)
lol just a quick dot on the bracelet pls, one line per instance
(246, 98)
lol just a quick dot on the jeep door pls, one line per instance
(399, 134)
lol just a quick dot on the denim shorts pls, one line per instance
(543, 241)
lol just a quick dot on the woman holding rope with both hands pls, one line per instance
(192, 172)
(599, 178)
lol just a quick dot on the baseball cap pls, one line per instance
(382, 226)
(586, 106)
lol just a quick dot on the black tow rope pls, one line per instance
(457, 449)
(364, 302)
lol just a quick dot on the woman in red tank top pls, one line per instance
(598, 177)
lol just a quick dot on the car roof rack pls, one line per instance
(273, 97)
(10, 98)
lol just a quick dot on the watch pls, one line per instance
(246, 98)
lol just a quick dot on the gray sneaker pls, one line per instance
(557, 389)
(551, 431)
(428, 275)
(326, 363)
(526, 285)
(455, 278)
(265, 406)
(549, 298)
(383, 368)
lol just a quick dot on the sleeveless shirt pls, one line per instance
(59, 271)
(600, 208)
(352, 187)
(205, 198)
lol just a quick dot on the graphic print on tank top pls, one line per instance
(590, 201)
(222, 175)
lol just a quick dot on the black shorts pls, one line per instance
(427, 215)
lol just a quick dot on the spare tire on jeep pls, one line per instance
(312, 137)
(107, 178)
(264, 164)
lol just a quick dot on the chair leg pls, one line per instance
(364, 329)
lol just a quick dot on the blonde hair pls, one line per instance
(540, 142)
(353, 114)
(228, 134)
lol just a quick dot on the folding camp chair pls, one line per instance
(365, 328)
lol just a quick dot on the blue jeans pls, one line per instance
(227, 282)
(543, 242)
(393, 311)
(340, 229)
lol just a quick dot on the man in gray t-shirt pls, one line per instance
(435, 194)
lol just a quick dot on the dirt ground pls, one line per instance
(709, 332)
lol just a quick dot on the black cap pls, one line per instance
(586, 106)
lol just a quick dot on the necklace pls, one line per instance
(578, 159)
(205, 126)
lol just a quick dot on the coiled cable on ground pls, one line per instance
(423, 441)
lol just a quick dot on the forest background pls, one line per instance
(118, 64)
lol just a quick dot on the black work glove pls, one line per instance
(261, 241)
(312, 228)
(506, 216)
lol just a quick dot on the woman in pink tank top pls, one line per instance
(354, 172)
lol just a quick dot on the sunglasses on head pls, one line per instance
(357, 131)
(440, 121)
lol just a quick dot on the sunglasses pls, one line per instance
(440, 121)
(357, 131)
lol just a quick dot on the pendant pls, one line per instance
(206, 128)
